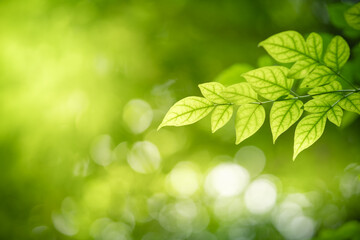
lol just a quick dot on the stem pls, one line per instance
(351, 91)
(341, 99)
(336, 73)
(333, 105)
(293, 92)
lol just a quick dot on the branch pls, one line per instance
(351, 91)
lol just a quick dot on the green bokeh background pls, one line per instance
(68, 70)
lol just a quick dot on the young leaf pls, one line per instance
(352, 16)
(285, 47)
(302, 68)
(351, 103)
(187, 111)
(319, 76)
(283, 115)
(317, 106)
(249, 118)
(220, 116)
(308, 131)
(270, 82)
(212, 92)
(240, 93)
(335, 115)
(314, 44)
(337, 53)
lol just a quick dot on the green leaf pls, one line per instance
(283, 115)
(336, 14)
(285, 47)
(329, 97)
(317, 106)
(319, 76)
(249, 118)
(337, 53)
(333, 111)
(335, 115)
(302, 68)
(220, 116)
(352, 16)
(187, 111)
(212, 92)
(240, 93)
(333, 86)
(270, 82)
(308, 131)
(351, 103)
(314, 44)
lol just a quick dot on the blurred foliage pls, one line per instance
(83, 87)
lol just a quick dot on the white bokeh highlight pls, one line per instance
(101, 151)
(183, 180)
(252, 158)
(137, 115)
(260, 196)
(290, 220)
(226, 180)
(144, 157)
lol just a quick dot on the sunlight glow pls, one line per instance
(260, 196)
(144, 157)
(350, 182)
(64, 221)
(299, 228)
(105, 228)
(137, 115)
(184, 217)
(251, 158)
(228, 209)
(101, 151)
(226, 180)
(64, 224)
(183, 180)
(291, 222)
(155, 203)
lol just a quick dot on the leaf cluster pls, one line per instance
(315, 71)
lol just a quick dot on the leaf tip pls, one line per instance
(240, 139)
(162, 124)
(338, 124)
(295, 155)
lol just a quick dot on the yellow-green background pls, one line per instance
(68, 70)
